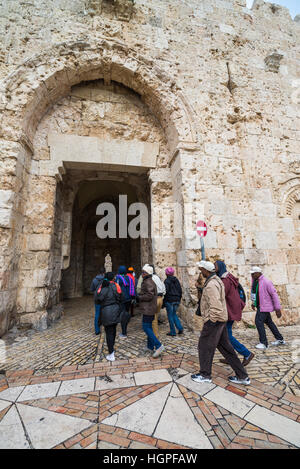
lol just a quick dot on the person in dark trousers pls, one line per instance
(123, 280)
(132, 288)
(214, 334)
(148, 308)
(93, 288)
(265, 299)
(235, 306)
(172, 300)
(109, 295)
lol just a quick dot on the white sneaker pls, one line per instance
(111, 357)
(236, 380)
(278, 342)
(122, 336)
(261, 346)
(158, 352)
(200, 379)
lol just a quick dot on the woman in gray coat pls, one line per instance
(109, 296)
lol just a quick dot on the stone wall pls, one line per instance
(219, 86)
(110, 113)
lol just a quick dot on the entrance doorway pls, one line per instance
(88, 251)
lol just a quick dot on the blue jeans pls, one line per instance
(238, 347)
(174, 320)
(152, 340)
(97, 316)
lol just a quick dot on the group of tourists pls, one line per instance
(221, 300)
(117, 297)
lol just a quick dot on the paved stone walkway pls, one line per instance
(58, 391)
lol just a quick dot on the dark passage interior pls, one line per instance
(88, 251)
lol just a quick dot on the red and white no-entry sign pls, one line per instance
(201, 228)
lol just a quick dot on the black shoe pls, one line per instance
(180, 332)
(172, 335)
(98, 333)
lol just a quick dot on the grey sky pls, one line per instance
(292, 5)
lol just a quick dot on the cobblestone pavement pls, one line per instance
(71, 341)
(58, 391)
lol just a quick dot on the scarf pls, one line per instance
(222, 268)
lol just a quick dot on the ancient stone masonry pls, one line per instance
(190, 107)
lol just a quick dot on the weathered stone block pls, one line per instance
(276, 273)
(5, 218)
(293, 274)
(39, 242)
(255, 256)
(37, 320)
(293, 292)
(266, 240)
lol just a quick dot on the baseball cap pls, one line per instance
(147, 268)
(207, 266)
(255, 269)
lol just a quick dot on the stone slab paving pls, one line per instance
(46, 429)
(138, 401)
(76, 386)
(152, 377)
(235, 404)
(12, 434)
(39, 391)
(3, 405)
(277, 424)
(177, 424)
(177, 413)
(111, 382)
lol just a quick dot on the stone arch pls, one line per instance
(43, 79)
(292, 199)
(291, 196)
(25, 97)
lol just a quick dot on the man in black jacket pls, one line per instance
(172, 300)
(97, 281)
(109, 295)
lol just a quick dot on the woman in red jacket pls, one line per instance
(235, 306)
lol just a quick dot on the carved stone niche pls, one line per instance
(272, 62)
(94, 6)
(122, 8)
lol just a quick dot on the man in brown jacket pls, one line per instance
(148, 306)
(214, 334)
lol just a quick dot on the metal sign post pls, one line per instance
(202, 249)
(202, 232)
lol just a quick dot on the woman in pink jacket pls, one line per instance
(235, 306)
(265, 300)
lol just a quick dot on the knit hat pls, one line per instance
(122, 270)
(109, 276)
(222, 268)
(255, 269)
(147, 268)
(169, 271)
(206, 265)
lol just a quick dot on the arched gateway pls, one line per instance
(84, 123)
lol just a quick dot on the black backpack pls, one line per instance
(242, 293)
